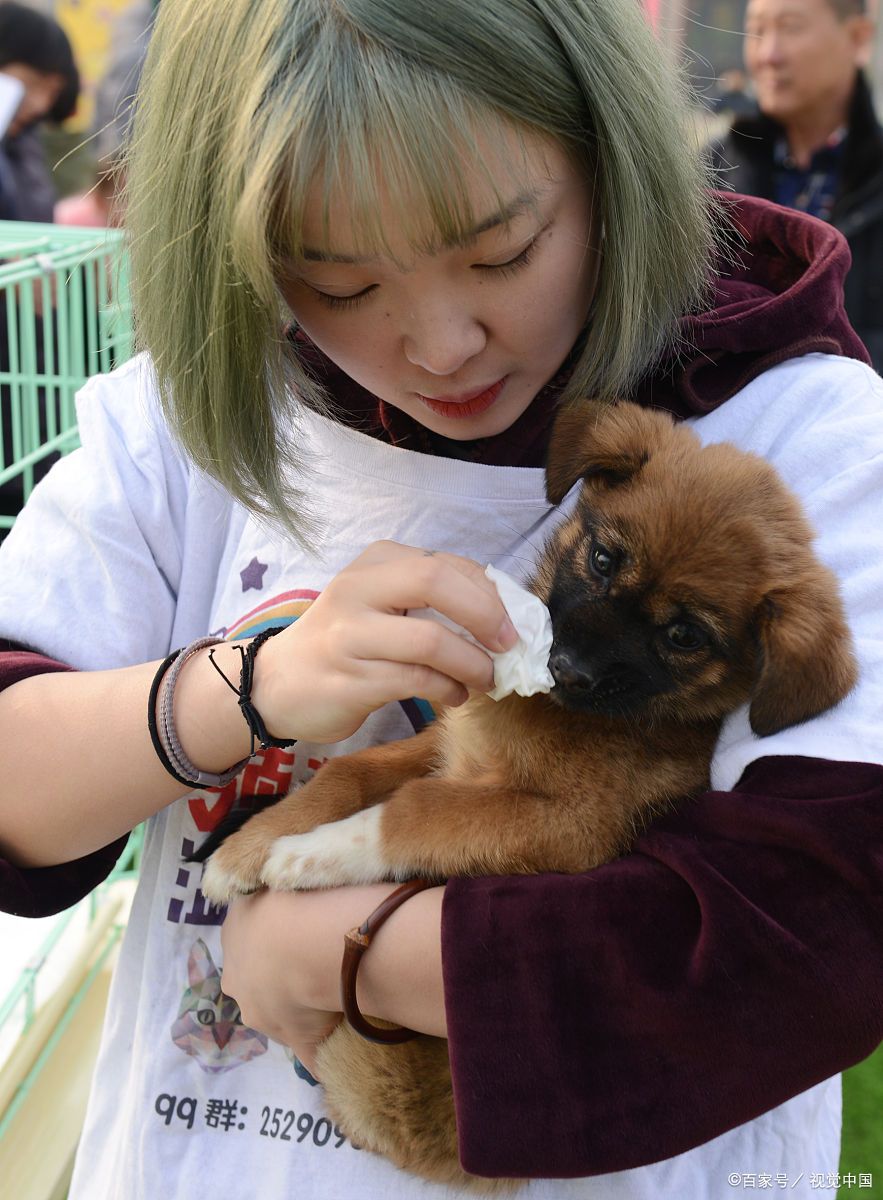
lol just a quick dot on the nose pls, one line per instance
(36, 103)
(569, 674)
(442, 336)
(765, 49)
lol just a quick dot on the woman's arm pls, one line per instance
(45, 891)
(79, 768)
(733, 960)
(353, 651)
(400, 978)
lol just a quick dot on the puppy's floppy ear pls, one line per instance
(610, 442)
(807, 663)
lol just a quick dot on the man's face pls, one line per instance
(802, 57)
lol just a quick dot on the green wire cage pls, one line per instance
(65, 314)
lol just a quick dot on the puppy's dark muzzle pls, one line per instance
(569, 674)
(602, 687)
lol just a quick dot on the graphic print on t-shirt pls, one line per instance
(209, 1026)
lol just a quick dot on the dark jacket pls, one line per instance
(28, 191)
(745, 159)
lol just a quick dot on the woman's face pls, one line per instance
(461, 337)
(41, 92)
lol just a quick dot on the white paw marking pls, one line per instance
(220, 886)
(341, 852)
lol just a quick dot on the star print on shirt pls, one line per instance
(253, 575)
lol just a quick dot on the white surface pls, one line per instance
(20, 939)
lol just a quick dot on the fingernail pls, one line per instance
(507, 635)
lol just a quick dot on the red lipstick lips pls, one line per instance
(470, 404)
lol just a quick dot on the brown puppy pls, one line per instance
(682, 585)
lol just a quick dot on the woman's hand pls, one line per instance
(355, 648)
(282, 953)
(272, 975)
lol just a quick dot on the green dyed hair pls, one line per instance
(245, 104)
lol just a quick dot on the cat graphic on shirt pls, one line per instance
(209, 1026)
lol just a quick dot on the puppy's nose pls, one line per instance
(569, 674)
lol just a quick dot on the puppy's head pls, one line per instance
(684, 582)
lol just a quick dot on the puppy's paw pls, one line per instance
(342, 852)
(228, 874)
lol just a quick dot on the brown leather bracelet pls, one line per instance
(355, 943)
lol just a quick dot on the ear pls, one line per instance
(610, 442)
(807, 661)
(861, 34)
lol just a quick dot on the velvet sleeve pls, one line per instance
(42, 891)
(734, 959)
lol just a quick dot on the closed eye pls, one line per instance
(512, 264)
(343, 301)
(501, 270)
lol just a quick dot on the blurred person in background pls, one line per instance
(733, 98)
(39, 81)
(114, 110)
(815, 143)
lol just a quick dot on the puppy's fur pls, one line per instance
(682, 586)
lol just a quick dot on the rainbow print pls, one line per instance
(277, 610)
(287, 607)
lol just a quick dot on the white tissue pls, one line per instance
(525, 668)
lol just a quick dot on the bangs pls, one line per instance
(374, 139)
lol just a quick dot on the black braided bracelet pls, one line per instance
(259, 732)
(151, 720)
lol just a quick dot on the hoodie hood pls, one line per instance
(776, 295)
(780, 296)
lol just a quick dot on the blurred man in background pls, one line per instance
(815, 143)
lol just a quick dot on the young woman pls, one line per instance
(375, 246)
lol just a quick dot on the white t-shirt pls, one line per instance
(126, 552)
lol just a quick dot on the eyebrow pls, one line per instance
(515, 208)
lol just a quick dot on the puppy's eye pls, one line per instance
(684, 636)
(601, 561)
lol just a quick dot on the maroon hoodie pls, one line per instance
(735, 957)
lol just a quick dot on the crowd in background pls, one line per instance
(39, 71)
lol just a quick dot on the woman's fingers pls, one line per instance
(428, 646)
(355, 649)
(383, 681)
(395, 578)
(264, 972)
